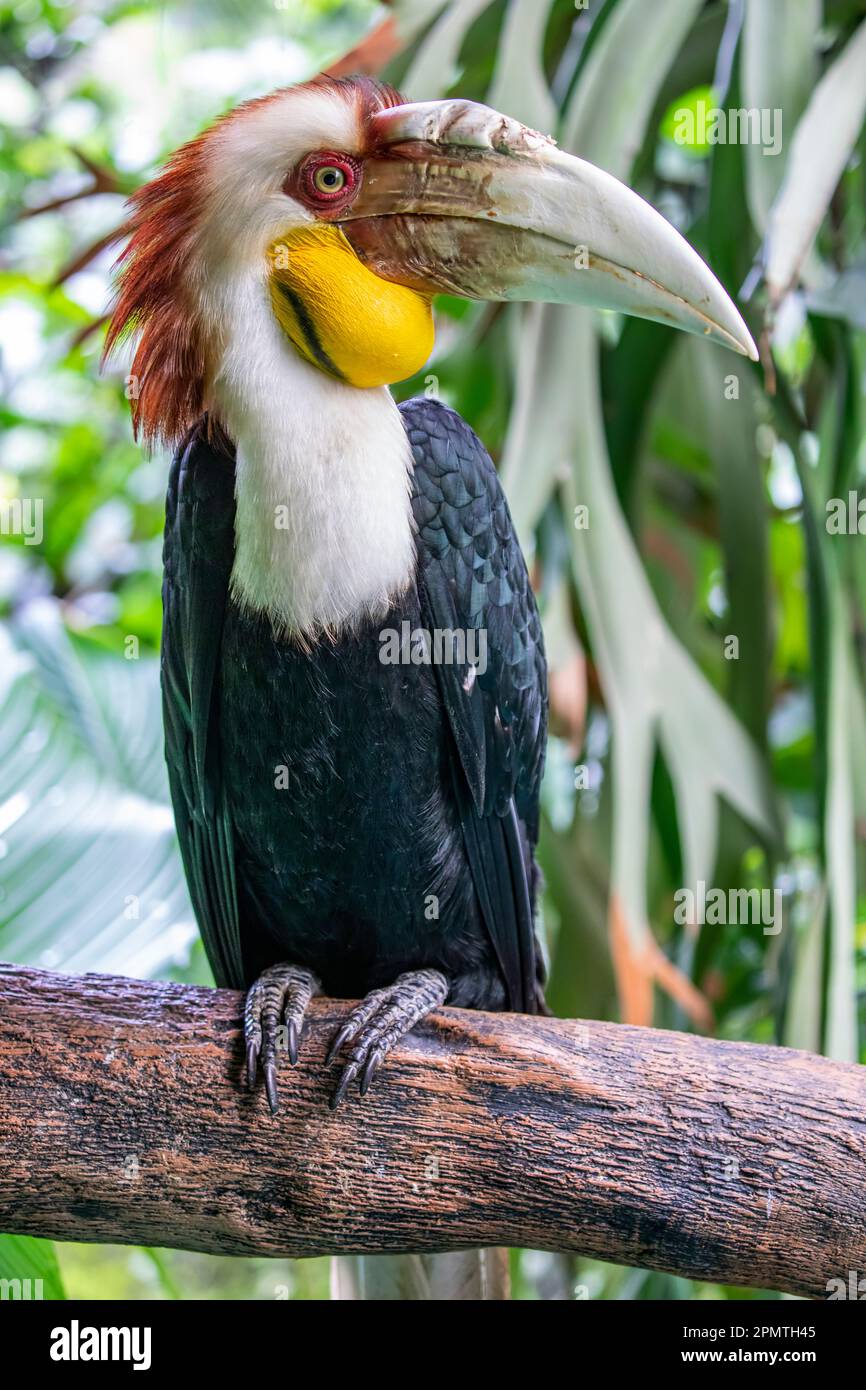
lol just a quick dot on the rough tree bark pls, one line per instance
(123, 1117)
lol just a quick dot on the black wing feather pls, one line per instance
(197, 559)
(472, 574)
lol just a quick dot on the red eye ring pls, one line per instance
(328, 179)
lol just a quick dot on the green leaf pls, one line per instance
(605, 122)
(607, 117)
(726, 399)
(687, 119)
(841, 1027)
(519, 86)
(434, 67)
(822, 145)
(654, 692)
(32, 1266)
(844, 298)
(91, 871)
(778, 74)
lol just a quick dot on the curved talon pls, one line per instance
(271, 1086)
(374, 1062)
(342, 1036)
(384, 1017)
(281, 992)
(343, 1086)
(356, 1020)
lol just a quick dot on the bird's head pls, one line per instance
(344, 210)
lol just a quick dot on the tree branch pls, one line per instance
(123, 1117)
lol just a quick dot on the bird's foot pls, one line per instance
(380, 1021)
(279, 998)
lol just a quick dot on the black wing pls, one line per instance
(472, 574)
(197, 557)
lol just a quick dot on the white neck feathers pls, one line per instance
(323, 533)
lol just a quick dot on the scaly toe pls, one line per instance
(281, 992)
(380, 1021)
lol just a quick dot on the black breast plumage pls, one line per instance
(360, 816)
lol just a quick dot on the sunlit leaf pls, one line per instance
(31, 1267)
(821, 147)
(687, 120)
(778, 74)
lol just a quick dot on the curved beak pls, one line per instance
(459, 199)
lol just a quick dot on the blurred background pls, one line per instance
(691, 519)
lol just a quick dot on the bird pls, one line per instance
(353, 671)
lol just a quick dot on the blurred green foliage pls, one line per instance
(761, 776)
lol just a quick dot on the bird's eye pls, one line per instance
(328, 180)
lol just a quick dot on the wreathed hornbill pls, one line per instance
(350, 824)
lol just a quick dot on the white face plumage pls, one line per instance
(245, 207)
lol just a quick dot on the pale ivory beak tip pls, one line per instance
(739, 341)
(744, 344)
